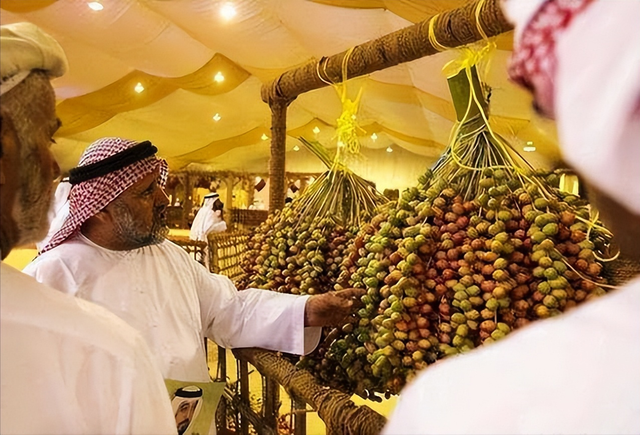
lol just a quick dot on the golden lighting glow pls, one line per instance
(296, 148)
(228, 11)
(316, 130)
(374, 137)
(96, 6)
(216, 117)
(264, 136)
(389, 149)
(139, 88)
(529, 147)
(218, 78)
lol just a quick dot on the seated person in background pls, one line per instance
(208, 219)
(112, 250)
(68, 366)
(576, 373)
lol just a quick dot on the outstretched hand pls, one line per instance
(333, 308)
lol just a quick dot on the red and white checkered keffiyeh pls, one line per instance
(89, 197)
(533, 63)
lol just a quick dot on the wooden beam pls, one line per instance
(335, 408)
(454, 28)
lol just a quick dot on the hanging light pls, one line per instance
(228, 11)
(96, 6)
(139, 88)
(264, 136)
(316, 130)
(389, 149)
(219, 78)
(374, 137)
(529, 147)
(296, 148)
(217, 117)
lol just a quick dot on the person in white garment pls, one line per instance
(579, 372)
(112, 251)
(68, 366)
(208, 219)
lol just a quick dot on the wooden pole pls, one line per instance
(277, 189)
(335, 408)
(454, 28)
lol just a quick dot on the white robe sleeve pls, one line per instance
(253, 318)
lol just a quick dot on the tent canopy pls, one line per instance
(186, 74)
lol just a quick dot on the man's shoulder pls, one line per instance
(71, 250)
(28, 304)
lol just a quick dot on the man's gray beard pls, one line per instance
(32, 204)
(128, 232)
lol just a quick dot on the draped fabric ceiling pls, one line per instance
(176, 48)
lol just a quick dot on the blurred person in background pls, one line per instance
(209, 218)
(576, 373)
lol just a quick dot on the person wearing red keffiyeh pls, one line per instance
(576, 373)
(68, 366)
(112, 250)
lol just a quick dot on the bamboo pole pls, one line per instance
(454, 28)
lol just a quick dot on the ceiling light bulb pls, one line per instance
(529, 149)
(389, 149)
(228, 11)
(139, 88)
(374, 137)
(316, 130)
(96, 6)
(296, 148)
(264, 136)
(216, 117)
(219, 78)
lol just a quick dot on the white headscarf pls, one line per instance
(25, 48)
(597, 93)
(204, 219)
(598, 98)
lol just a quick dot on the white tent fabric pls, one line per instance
(170, 48)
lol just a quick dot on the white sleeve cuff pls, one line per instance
(311, 335)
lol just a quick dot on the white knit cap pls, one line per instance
(25, 47)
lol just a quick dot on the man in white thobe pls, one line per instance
(208, 219)
(68, 366)
(579, 372)
(112, 250)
